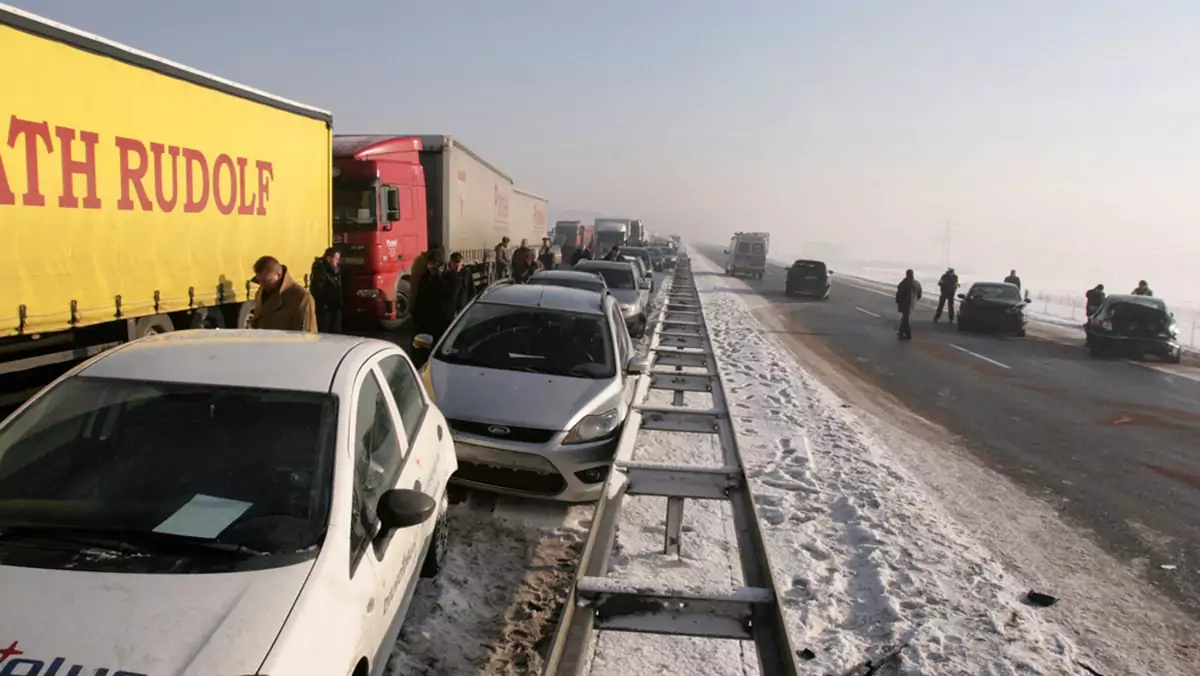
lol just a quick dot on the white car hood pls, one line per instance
(156, 625)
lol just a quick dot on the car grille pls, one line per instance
(526, 435)
(512, 479)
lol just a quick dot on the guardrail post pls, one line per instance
(671, 544)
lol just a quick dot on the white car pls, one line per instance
(210, 503)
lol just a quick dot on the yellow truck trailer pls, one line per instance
(136, 193)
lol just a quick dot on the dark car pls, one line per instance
(656, 257)
(642, 253)
(663, 257)
(808, 278)
(1134, 326)
(993, 307)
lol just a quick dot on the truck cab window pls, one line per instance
(354, 205)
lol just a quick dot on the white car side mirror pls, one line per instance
(637, 366)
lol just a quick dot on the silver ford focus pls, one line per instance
(536, 382)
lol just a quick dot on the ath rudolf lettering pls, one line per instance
(221, 182)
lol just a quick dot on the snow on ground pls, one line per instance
(865, 556)
(509, 566)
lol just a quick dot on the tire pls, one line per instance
(207, 318)
(439, 543)
(403, 307)
(1021, 333)
(1175, 357)
(148, 326)
(245, 315)
(961, 326)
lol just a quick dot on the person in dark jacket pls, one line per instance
(578, 255)
(456, 284)
(614, 254)
(326, 290)
(1095, 298)
(1143, 289)
(948, 286)
(522, 263)
(1013, 279)
(908, 292)
(419, 270)
(546, 255)
(429, 310)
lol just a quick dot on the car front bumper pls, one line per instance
(1161, 345)
(568, 473)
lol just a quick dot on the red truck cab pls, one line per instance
(379, 224)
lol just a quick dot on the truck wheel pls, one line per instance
(148, 326)
(1175, 357)
(245, 315)
(403, 307)
(207, 318)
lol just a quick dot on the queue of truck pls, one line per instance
(137, 199)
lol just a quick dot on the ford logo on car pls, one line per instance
(498, 430)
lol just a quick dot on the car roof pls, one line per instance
(561, 298)
(604, 265)
(805, 261)
(568, 274)
(283, 360)
(1148, 301)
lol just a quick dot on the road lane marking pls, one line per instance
(868, 312)
(989, 360)
(1163, 369)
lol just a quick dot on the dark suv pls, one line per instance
(808, 278)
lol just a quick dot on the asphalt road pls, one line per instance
(1114, 445)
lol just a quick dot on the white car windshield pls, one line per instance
(995, 292)
(168, 469)
(570, 282)
(534, 340)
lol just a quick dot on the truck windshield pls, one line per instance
(354, 204)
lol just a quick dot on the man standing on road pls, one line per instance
(1095, 298)
(1013, 279)
(948, 285)
(908, 292)
(546, 255)
(326, 289)
(614, 254)
(503, 259)
(522, 263)
(456, 283)
(280, 304)
(429, 309)
(578, 255)
(419, 270)
(1143, 289)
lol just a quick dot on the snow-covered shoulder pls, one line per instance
(865, 558)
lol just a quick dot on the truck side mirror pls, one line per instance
(391, 204)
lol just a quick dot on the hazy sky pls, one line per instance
(1061, 137)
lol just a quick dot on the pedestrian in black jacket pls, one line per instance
(326, 289)
(456, 285)
(1013, 279)
(546, 255)
(908, 292)
(1095, 298)
(948, 286)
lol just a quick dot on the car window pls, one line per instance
(743, 247)
(615, 278)
(378, 459)
(756, 248)
(407, 393)
(146, 457)
(532, 340)
(996, 291)
(623, 344)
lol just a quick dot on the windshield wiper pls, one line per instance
(130, 541)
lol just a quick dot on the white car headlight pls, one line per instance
(593, 427)
(628, 309)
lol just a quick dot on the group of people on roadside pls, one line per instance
(1094, 297)
(521, 263)
(908, 292)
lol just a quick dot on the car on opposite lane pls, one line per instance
(1134, 326)
(222, 502)
(575, 279)
(808, 278)
(536, 383)
(631, 290)
(992, 307)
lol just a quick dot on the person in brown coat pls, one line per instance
(280, 303)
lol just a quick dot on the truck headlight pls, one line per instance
(593, 427)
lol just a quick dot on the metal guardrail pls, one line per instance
(599, 602)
